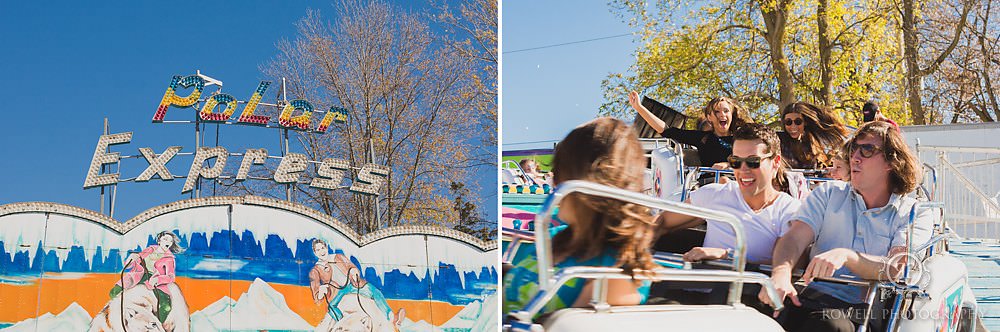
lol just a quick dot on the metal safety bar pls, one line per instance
(545, 295)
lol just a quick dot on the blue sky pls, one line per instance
(66, 66)
(548, 92)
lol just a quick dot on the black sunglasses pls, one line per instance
(752, 161)
(867, 150)
(797, 122)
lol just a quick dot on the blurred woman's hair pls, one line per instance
(604, 151)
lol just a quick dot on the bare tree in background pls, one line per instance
(919, 44)
(412, 103)
(964, 89)
(474, 26)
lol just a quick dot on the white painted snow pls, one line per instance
(214, 317)
(418, 326)
(73, 318)
(487, 319)
(260, 308)
(476, 316)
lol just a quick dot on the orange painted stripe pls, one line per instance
(90, 291)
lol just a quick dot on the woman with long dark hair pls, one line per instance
(812, 134)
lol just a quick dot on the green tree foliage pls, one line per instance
(769, 53)
(470, 221)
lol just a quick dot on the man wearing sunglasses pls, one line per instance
(853, 228)
(754, 198)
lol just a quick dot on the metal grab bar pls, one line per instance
(542, 219)
(538, 302)
(718, 172)
(909, 232)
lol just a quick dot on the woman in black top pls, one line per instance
(714, 146)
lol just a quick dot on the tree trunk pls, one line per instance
(912, 66)
(985, 73)
(775, 20)
(825, 51)
(914, 74)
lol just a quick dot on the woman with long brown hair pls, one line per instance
(595, 231)
(812, 134)
(724, 114)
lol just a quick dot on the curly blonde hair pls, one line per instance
(605, 151)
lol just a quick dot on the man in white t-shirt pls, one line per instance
(755, 198)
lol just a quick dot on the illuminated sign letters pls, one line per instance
(198, 168)
(157, 164)
(251, 157)
(101, 157)
(370, 179)
(210, 162)
(302, 122)
(290, 167)
(329, 174)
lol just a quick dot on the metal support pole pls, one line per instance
(371, 159)
(114, 190)
(104, 131)
(284, 136)
(197, 146)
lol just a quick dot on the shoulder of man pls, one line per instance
(787, 204)
(709, 190)
(833, 187)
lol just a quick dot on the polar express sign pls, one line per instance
(329, 174)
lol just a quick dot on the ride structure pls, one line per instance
(934, 292)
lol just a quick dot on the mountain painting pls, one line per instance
(236, 264)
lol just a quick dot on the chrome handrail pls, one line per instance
(909, 232)
(538, 302)
(543, 246)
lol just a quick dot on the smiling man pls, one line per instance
(754, 198)
(853, 229)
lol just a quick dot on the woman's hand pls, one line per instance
(702, 253)
(633, 100)
(653, 121)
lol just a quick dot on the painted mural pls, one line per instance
(236, 264)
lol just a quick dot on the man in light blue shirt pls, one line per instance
(854, 228)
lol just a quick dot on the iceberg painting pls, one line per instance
(223, 264)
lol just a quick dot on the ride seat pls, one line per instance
(691, 157)
(661, 317)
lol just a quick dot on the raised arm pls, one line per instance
(786, 252)
(652, 120)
